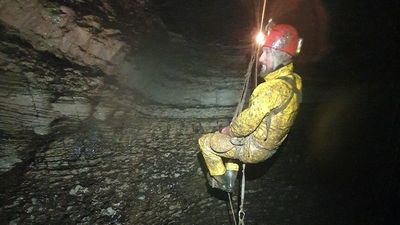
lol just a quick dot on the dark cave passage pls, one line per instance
(224, 22)
(102, 103)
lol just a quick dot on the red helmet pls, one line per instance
(284, 38)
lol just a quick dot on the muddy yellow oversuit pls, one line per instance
(258, 131)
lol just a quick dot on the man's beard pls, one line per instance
(263, 69)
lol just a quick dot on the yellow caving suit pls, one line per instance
(259, 130)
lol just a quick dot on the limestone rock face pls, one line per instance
(40, 95)
(55, 29)
(94, 154)
(33, 96)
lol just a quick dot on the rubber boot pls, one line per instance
(225, 182)
(230, 179)
(232, 169)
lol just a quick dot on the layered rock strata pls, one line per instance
(54, 28)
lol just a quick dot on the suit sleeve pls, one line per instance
(262, 102)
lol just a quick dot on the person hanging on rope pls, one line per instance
(256, 133)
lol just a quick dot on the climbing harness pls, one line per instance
(244, 97)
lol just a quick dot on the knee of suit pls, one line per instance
(204, 142)
(250, 155)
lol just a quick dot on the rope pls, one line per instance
(232, 210)
(262, 15)
(256, 68)
(258, 47)
(239, 108)
(241, 213)
(253, 60)
(244, 94)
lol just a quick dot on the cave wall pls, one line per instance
(67, 126)
(80, 151)
(79, 44)
(38, 89)
(56, 64)
(78, 148)
(84, 32)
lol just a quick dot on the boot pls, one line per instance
(225, 182)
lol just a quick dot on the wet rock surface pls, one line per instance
(35, 95)
(71, 33)
(123, 178)
(96, 157)
(186, 75)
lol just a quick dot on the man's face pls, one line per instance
(267, 61)
(272, 59)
